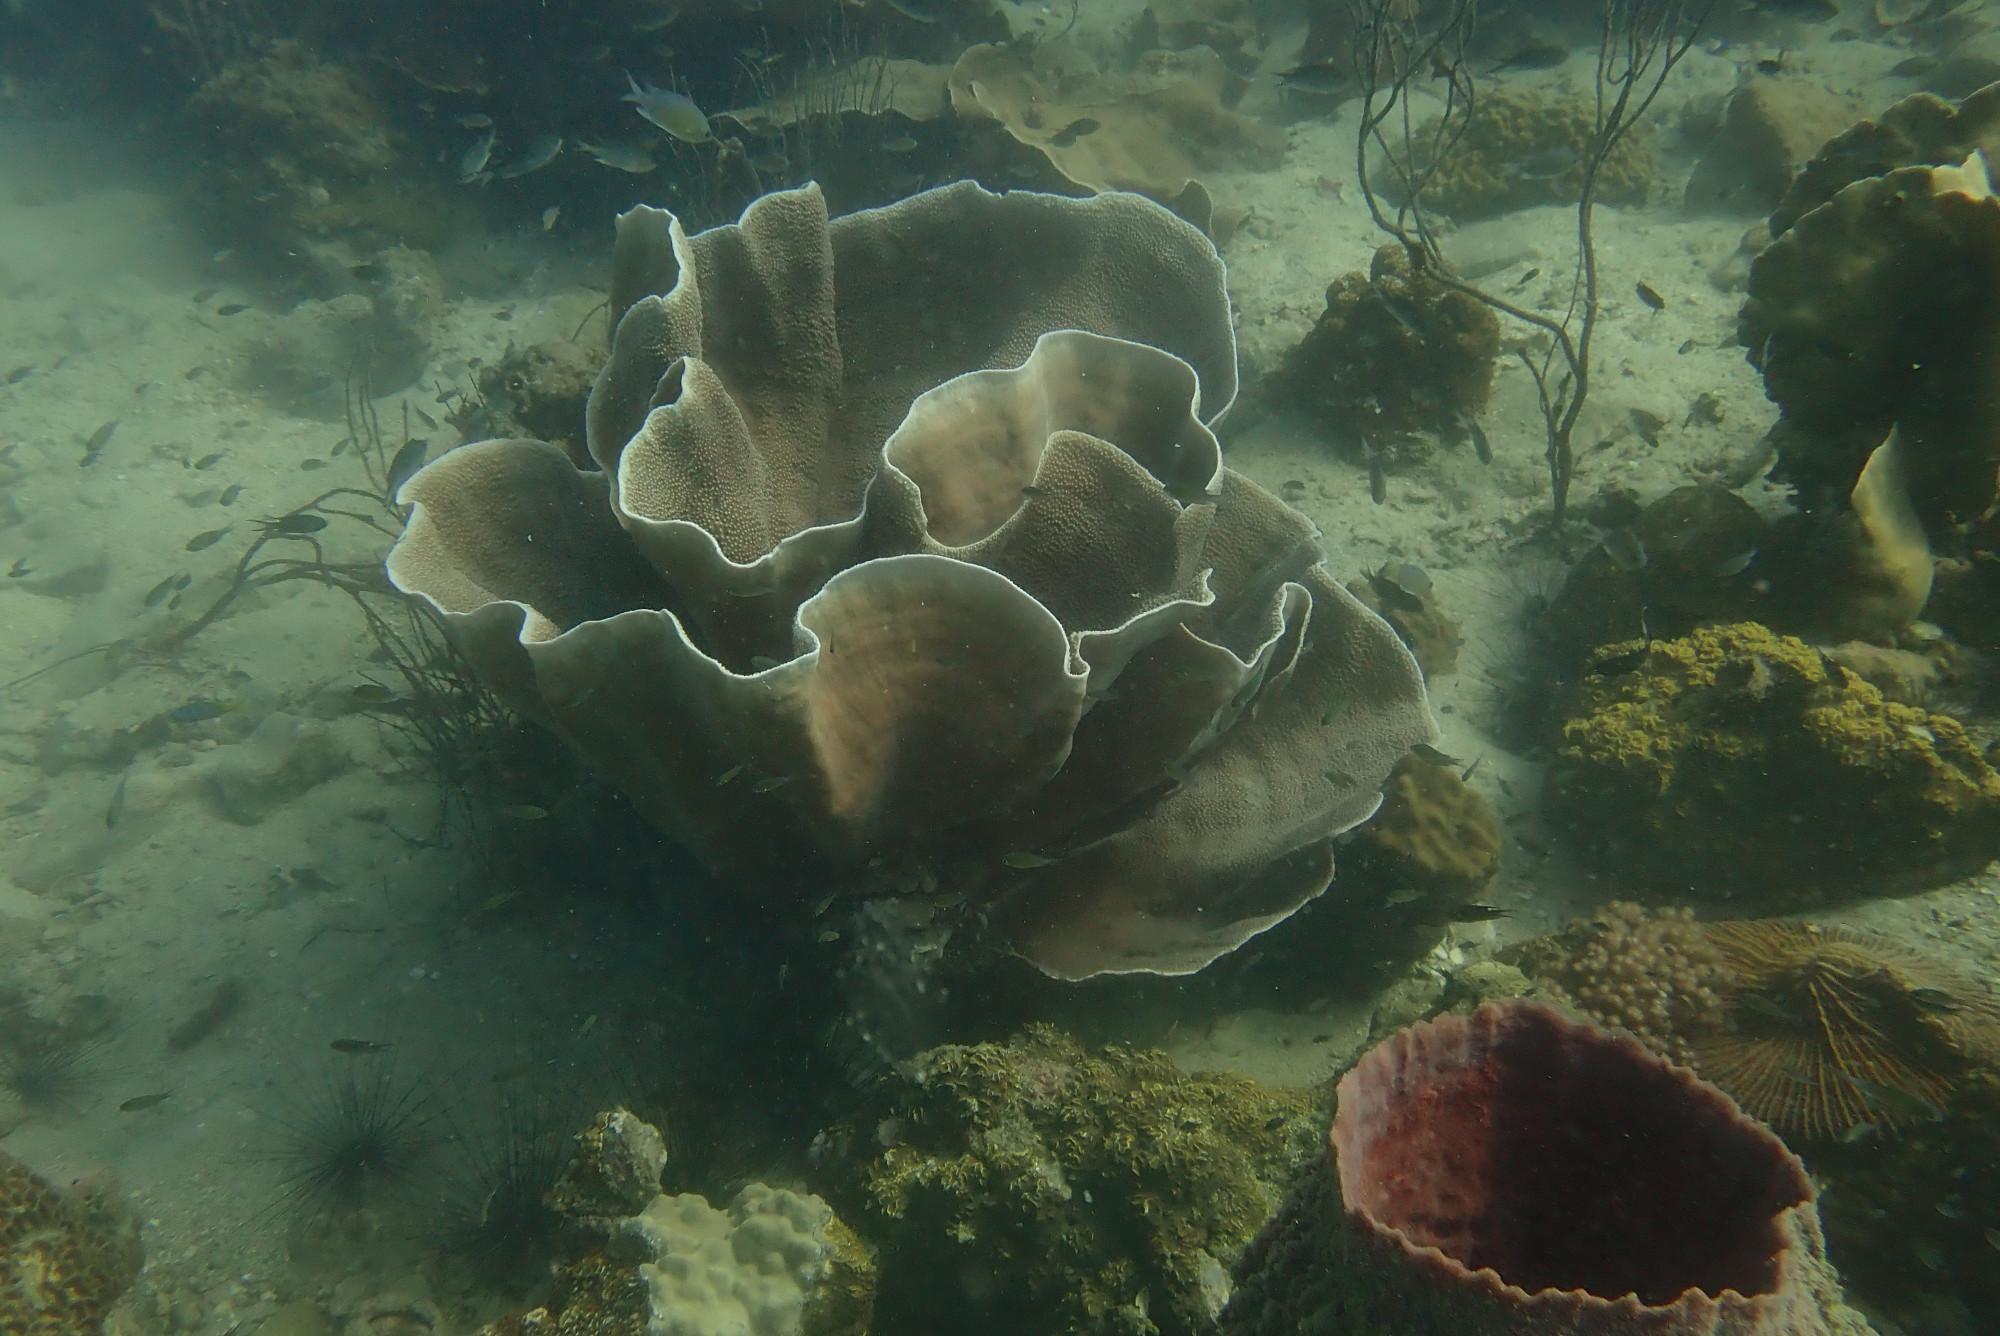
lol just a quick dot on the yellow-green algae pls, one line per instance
(1089, 1193)
(1512, 156)
(1736, 762)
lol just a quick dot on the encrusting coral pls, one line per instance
(1735, 764)
(1084, 1193)
(1434, 834)
(65, 1257)
(1394, 353)
(1035, 638)
(1516, 1170)
(1816, 1031)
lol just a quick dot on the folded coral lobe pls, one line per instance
(911, 538)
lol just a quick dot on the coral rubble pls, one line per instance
(1032, 1187)
(1035, 637)
(65, 1257)
(1394, 353)
(1740, 765)
(1515, 1170)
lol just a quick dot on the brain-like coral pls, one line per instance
(1745, 766)
(912, 544)
(1524, 149)
(65, 1258)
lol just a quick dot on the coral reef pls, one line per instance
(1816, 1031)
(1434, 834)
(1769, 130)
(1035, 638)
(1031, 1187)
(1400, 594)
(1394, 353)
(1524, 149)
(65, 1257)
(534, 393)
(1517, 1171)
(1735, 764)
(1154, 130)
(645, 1263)
(1919, 131)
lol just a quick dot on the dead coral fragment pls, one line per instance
(1740, 764)
(1096, 1193)
(1524, 149)
(1515, 1170)
(65, 1258)
(1394, 353)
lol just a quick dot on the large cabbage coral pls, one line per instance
(912, 546)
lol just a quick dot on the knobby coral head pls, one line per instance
(909, 540)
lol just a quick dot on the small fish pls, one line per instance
(210, 460)
(20, 570)
(472, 162)
(824, 905)
(159, 592)
(828, 936)
(1625, 548)
(549, 216)
(1465, 776)
(1072, 132)
(1527, 278)
(1320, 78)
(406, 463)
(1378, 477)
(771, 785)
(138, 1102)
(1423, 751)
(763, 663)
(1993, 1239)
(1402, 310)
(1339, 777)
(115, 813)
(729, 774)
(775, 161)
(369, 271)
(514, 1073)
(311, 465)
(100, 438)
(233, 308)
(589, 1024)
(201, 542)
(297, 524)
(493, 902)
(21, 372)
(1481, 447)
(198, 712)
(632, 158)
(1177, 772)
(1913, 67)
(1735, 565)
(900, 144)
(524, 812)
(540, 152)
(1650, 295)
(1023, 861)
(424, 417)
(911, 11)
(1470, 913)
(1403, 897)
(671, 111)
(229, 494)
(657, 21)
(1274, 1122)
(1935, 999)
(1548, 164)
(373, 693)
(1898, 1104)
(1534, 56)
(358, 1046)
(474, 120)
(1687, 346)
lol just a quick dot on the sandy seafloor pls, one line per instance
(273, 845)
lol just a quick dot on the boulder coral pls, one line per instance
(1525, 149)
(1033, 1187)
(1738, 765)
(65, 1257)
(912, 545)
(1515, 1170)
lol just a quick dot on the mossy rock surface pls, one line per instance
(1741, 765)
(1032, 1187)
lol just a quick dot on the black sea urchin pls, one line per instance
(362, 1132)
(47, 1071)
(493, 1217)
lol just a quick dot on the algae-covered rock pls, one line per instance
(1393, 353)
(1031, 1187)
(1434, 834)
(1524, 149)
(1736, 763)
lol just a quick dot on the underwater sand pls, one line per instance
(283, 844)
